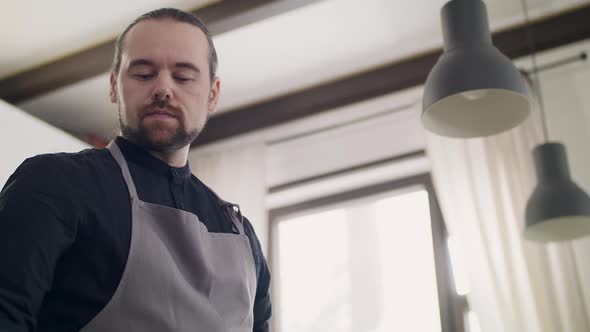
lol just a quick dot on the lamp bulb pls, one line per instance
(474, 94)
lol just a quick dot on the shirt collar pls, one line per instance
(138, 155)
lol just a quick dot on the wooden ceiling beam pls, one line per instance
(220, 17)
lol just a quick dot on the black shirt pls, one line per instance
(65, 231)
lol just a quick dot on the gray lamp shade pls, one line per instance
(473, 90)
(558, 210)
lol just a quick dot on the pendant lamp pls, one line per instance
(473, 90)
(558, 210)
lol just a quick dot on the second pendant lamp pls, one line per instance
(558, 210)
(473, 90)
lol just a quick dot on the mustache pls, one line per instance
(162, 106)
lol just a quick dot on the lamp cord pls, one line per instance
(536, 86)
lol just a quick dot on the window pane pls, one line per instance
(367, 265)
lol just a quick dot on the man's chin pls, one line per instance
(156, 143)
(166, 143)
(158, 140)
(159, 145)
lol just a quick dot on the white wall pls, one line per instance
(23, 136)
(360, 142)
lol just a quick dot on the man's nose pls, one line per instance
(162, 90)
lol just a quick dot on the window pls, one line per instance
(372, 259)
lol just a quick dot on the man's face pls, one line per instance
(163, 91)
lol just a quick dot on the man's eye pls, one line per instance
(143, 77)
(182, 79)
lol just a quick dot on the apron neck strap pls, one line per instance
(116, 152)
(239, 221)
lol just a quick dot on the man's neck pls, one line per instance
(176, 158)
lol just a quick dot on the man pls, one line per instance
(125, 238)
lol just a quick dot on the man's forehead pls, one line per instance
(165, 35)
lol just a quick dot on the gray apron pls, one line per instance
(178, 276)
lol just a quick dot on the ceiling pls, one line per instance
(52, 29)
(303, 47)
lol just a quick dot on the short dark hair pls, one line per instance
(176, 15)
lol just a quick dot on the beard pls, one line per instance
(159, 136)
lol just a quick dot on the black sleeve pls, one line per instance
(35, 229)
(262, 304)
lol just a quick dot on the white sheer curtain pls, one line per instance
(237, 174)
(483, 185)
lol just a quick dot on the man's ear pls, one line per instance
(113, 88)
(214, 96)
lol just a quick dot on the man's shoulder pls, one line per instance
(62, 162)
(45, 170)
